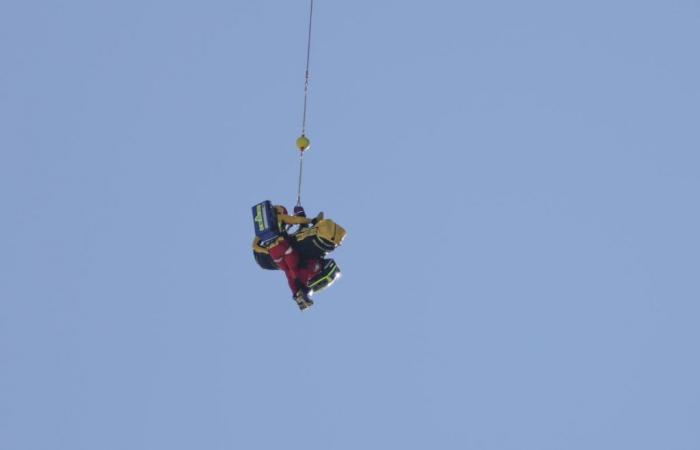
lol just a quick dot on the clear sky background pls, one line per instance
(519, 181)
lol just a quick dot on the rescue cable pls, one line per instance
(302, 141)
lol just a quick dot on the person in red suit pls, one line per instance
(287, 258)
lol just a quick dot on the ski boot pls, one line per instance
(303, 300)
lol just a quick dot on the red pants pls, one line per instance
(288, 260)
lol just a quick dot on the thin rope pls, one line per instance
(306, 76)
(301, 169)
(306, 100)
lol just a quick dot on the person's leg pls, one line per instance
(287, 259)
(296, 283)
(309, 270)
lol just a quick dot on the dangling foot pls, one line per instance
(302, 299)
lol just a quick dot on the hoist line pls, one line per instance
(306, 75)
(301, 169)
(306, 100)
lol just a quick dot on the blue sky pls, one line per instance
(519, 181)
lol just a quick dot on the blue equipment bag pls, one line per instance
(265, 219)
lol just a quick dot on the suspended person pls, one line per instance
(287, 258)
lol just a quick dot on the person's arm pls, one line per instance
(293, 220)
(257, 247)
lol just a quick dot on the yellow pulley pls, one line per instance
(303, 143)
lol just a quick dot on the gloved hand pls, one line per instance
(317, 219)
(299, 211)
